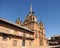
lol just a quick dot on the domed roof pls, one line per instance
(30, 16)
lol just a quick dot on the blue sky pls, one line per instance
(47, 10)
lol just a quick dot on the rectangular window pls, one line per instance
(30, 43)
(15, 43)
(23, 42)
(36, 35)
(4, 37)
(32, 25)
(41, 42)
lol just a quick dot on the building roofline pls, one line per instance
(56, 36)
(23, 27)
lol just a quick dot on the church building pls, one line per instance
(27, 34)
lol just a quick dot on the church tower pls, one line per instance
(30, 19)
(38, 29)
(31, 23)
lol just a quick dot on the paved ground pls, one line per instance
(50, 47)
(55, 47)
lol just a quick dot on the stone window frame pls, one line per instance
(36, 35)
(14, 42)
(23, 42)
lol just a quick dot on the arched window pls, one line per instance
(33, 18)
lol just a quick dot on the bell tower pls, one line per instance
(30, 19)
(38, 29)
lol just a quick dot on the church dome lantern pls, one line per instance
(31, 17)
